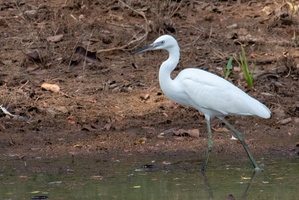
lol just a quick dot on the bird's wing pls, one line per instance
(215, 94)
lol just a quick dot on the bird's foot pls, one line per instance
(257, 169)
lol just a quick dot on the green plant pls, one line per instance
(248, 74)
(228, 68)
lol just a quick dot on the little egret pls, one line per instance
(204, 91)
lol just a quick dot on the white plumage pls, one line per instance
(212, 95)
(204, 91)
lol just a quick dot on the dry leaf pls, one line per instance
(166, 163)
(62, 109)
(50, 86)
(55, 38)
(34, 56)
(193, 133)
(140, 141)
(267, 10)
(107, 126)
(285, 121)
(165, 114)
(71, 122)
(221, 130)
(293, 8)
(245, 178)
(88, 127)
(88, 54)
(97, 177)
(180, 132)
(76, 146)
(136, 186)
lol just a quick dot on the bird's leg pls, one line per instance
(210, 145)
(240, 137)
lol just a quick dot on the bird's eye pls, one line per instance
(162, 42)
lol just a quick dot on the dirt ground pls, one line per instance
(106, 104)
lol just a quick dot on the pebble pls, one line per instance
(233, 26)
(30, 14)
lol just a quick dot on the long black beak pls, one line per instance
(146, 48)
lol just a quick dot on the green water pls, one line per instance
(279, 180)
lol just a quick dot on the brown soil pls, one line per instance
(113, 109)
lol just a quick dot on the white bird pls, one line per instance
(204, 91)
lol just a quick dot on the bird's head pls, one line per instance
(163, 42)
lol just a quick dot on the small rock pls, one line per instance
(112, 86)
(145, 96)
(110, 82)
(81, 17)
(116, 89)
(31, 14)
(125, 89)
(233, 26)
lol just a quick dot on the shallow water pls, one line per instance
(278, 180)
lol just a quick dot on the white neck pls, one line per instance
(167, 67)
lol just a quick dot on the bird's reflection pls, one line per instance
(230, 196)
(207, 185)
